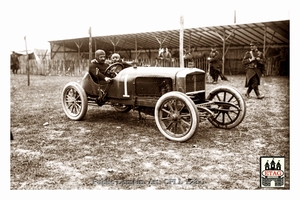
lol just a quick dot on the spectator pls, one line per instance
(14, 62)
(215, 62)
(254, 64)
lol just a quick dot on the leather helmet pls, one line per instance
(99, 52)
(115, 55)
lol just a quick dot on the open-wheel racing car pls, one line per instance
(176, 97)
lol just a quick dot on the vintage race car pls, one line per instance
(176, 97)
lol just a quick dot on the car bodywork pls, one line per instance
(176, 97)
(140, 86)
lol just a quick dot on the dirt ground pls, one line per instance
(115, 151)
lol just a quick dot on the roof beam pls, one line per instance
(161, 41)
(114, 42)
(199, 37)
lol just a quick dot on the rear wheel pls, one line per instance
(74, 101)
(122, 108)
(176, 116)
(229, 107)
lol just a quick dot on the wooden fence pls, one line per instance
(55, 67)
(80, 67)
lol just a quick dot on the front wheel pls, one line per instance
(176, 116)
(229, 107)
(74, 101)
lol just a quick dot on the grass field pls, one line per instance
(110, 150)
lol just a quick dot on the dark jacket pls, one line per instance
(97, 70)
(215, 60)
(14, 62)
(253, 67)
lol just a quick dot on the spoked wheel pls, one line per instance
(229, 107)
(122, 108)
(74, 101)
(176, 116)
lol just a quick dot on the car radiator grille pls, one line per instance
(195, 82)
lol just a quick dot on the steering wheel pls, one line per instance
(113, 69)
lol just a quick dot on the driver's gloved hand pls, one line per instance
(107, 79)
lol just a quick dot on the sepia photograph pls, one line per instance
(188, 96)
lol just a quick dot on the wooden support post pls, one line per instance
(190, 33)
(181, 42)
(27, 63)
(129, 54)
(223, 53)
(264, 48)
(135, 48)
(44, 55)
(234, 18)
(53, 51)
(114, 43)
(148, 53)
(90, 45)
(159, 42)
(64, 63)
(223, 38)
(78, 46)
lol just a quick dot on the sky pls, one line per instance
(43, 21)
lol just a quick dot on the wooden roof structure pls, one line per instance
(270, 34)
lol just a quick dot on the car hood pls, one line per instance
(157, 71)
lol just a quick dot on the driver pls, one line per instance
(97, 68)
